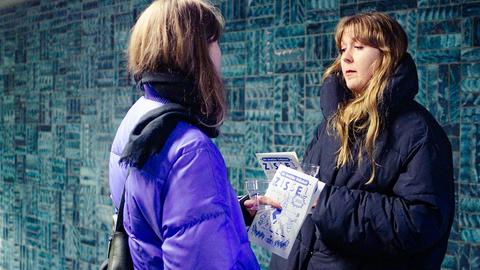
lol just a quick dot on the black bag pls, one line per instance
(119, 257)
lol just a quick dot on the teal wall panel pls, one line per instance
(64, 89)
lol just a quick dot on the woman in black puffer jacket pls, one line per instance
(388, 202)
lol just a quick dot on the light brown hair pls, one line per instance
(359, 117)
(175, 35)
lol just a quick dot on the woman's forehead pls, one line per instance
(348, 34)
(356, 33)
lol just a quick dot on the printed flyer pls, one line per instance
(270, 162)
(274, 229)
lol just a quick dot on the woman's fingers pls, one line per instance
(264, 200)
(269, 201)
(249, 203)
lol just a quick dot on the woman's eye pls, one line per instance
(342, 50)
(359, 47)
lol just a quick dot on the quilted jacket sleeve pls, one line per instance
(201, 220)
(412, 219)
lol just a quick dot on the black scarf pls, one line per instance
(173, 86)
(153, 129)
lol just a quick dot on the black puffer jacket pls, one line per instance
(403, 219)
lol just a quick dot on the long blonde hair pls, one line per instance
(175, 35)
(359, 117)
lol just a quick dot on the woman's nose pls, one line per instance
(347, 56)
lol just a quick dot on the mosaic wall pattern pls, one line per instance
(64, 89)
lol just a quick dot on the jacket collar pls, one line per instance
(169, 86)
(153, 129)
(402, 87)
(151, 93)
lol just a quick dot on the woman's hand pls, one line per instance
(315, 204)
(264, 200)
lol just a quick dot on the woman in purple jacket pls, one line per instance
(180, 209)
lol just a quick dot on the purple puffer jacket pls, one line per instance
(180, 210)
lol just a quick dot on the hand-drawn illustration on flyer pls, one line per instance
(276, 230)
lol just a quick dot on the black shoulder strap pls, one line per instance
(119, 224)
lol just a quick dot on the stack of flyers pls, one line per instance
(277, 229)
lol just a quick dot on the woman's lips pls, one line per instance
(350, 72)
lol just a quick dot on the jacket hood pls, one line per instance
(402, 87)
(154, 128)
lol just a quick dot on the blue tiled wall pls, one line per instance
(64, 89)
